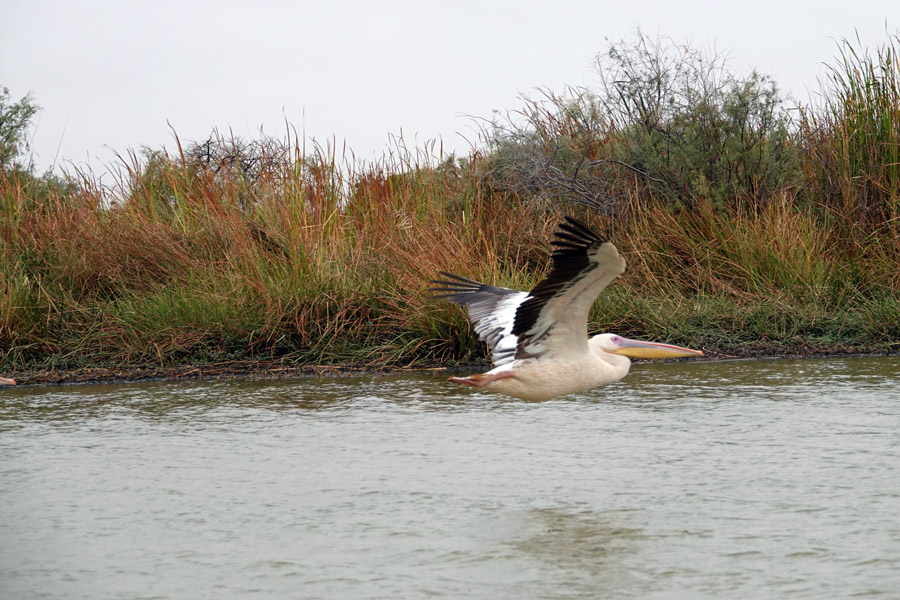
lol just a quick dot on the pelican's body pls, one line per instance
(538, 339)
(534, 379)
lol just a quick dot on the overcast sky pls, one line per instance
(113, 75)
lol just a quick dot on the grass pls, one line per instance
(854, 137)
(313, 258)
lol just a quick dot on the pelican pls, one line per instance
(7, 381)
(538, 339)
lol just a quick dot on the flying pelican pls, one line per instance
(538, 340)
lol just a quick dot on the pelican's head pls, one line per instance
(611, 343)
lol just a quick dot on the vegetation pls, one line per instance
(745, 232)
(14, 120)
(668, 121)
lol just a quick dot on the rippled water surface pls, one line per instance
(756, 479)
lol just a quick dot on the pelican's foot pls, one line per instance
(482, 379)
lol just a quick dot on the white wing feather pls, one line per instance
(491, 309)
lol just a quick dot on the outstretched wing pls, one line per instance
(491, 309)
(552, 321)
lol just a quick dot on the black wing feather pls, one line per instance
(573, 241)
(464, 291)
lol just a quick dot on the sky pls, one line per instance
(119, 75)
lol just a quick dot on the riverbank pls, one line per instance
(243, 370)
(270, 370)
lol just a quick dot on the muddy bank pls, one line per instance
(224, 371)
(273, 369)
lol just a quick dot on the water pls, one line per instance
(752, 479)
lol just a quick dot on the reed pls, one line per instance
(853, 136)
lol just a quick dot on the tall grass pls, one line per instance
(315, 261)
(854, 136)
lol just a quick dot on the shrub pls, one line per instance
(669, 117)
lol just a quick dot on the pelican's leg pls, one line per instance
(482, 379)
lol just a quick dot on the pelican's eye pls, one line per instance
(616, 340)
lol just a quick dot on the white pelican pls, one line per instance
(538, 340)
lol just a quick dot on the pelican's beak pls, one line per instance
(639, 349)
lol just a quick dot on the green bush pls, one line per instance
(671, 118)
(15, 120)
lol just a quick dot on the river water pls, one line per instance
(746, 479)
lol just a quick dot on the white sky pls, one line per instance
(112, 75)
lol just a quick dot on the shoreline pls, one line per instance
(274, 370)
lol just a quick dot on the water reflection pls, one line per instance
(582, 542)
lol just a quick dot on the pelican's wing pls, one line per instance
(552, 321)
(491, 309)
